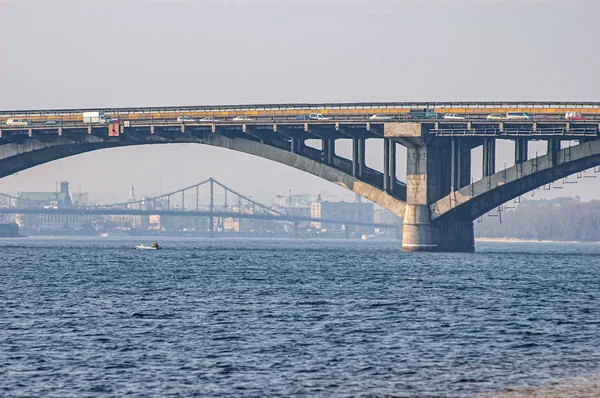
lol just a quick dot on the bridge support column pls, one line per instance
(386, 164)
(489, 156)
(417, 234)
(521, 148)
(389, 164)
(429, 179)
(454, 236)
(358, 157)
(553, 149)
(211, 220)
(296, 145)
(460, 164)
(328, 150)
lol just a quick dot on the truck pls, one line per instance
(422, 114)
(95, 117)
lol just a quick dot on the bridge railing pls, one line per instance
(363, 106)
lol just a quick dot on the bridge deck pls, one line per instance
(192, 213)
(340, 129)
(357, 108)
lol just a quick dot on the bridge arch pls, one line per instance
(478, 198)
(20, 155)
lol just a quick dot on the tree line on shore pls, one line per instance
(562, 219)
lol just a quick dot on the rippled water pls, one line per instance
(84, 317)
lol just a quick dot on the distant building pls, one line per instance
(231, 224)
(343, 211)
(154, 222)
(79, 199)
(304, 211)
(50, 222)
(45, 200)
(175, 223)
(127, 221)
(56, 222)
(383, 216)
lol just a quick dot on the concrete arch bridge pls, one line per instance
(438, 202)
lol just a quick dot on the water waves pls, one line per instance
(83, 317)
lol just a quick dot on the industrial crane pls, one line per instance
(304, 197)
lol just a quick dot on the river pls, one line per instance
(232, 318)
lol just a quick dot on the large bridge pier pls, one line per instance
(434, 170)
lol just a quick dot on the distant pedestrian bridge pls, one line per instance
(438, 201)
(193, 202)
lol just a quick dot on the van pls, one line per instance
(425, 113)
(518, 116)
(18, 122)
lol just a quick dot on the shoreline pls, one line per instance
(584, 386)
(517, 240)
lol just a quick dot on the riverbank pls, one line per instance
(587, 386)
(516, 240)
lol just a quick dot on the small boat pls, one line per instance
(144, 247)
(104, 234)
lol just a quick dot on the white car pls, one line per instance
(380, 117)
(518, 116)
(242, 118)
(18, 122)
(207, 119)
(574, 116)
(453, 116)
(185, 119)
(317, 116)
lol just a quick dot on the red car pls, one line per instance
(574, 116)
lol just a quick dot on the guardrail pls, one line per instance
(438, 105)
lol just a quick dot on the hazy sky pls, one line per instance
(65, 54)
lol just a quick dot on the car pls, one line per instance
(574, 116)
(495, 116)
(424, 113)
(242, 118)
(380, 117)
(52, 123)
(113, 120)
(18, 122)
(207, 119)
(300, 117)
(518, 116)
(453, 116)
(317, 116)
(185, 119)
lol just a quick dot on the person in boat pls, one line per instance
(155, 245)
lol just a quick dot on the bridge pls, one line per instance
(189, 202)
(438, 201)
